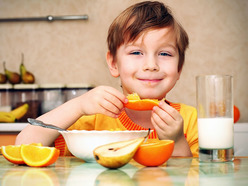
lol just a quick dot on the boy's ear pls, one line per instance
(112, 65)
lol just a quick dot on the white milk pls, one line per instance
(215, 133)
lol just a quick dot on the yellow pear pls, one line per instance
(118, 154)
(26, 76)
(13, 77)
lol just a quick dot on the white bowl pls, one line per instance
(81, 143)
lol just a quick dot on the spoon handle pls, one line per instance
(41, 124)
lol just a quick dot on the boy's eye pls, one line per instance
(136, 53)
(164, 54)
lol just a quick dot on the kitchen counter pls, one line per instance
(177, 171)
(12, 127)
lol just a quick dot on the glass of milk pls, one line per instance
(214, 98)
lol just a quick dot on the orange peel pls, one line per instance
(135, 103)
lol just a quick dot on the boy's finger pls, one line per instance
(114, 92)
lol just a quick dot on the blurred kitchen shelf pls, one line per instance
(12, 127)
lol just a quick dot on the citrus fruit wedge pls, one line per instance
(135, 103)
(39, 156)
(13, 153)
(154, 152)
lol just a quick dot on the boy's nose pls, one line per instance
(151, 64)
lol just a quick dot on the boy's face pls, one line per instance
(149, 65)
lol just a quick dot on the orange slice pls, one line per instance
(154, 152)
(135, 103)
(13, 153)
(37, 156)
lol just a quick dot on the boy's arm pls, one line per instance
(103, 100)
(189, 115)
(63, 116)
(182, 148)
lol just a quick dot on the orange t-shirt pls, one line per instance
(123, 122)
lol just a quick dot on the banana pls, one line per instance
(13, 115)
(7, 117)
(20, 111)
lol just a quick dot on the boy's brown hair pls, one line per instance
(141, 17)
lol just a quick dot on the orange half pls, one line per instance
(154, 152)
(135, 103)
(38, 156)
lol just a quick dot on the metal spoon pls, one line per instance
(42, 124)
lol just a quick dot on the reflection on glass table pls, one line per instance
(177, 171)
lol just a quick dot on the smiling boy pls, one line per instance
(146, 51)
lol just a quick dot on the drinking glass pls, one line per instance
(214, 97)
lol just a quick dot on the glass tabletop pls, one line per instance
(177, 171)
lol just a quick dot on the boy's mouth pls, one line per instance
(150, 80)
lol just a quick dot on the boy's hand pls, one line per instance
(103, 100)
(167, 122)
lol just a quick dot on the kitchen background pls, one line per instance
(74, 51)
